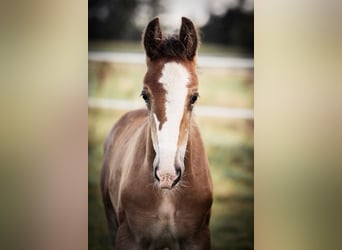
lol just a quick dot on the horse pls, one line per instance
(155, 180)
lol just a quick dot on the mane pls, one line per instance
(172, 47)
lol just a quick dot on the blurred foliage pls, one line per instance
(111, 19)
(115, 20)
(234, 28)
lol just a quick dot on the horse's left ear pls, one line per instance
(188, 36)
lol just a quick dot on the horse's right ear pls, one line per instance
(152, 38)
(188, 36)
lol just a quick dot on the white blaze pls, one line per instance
(174, 79)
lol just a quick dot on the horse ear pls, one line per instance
(188, 36)
(152, 38)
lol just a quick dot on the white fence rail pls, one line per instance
(202, 61)
(207, 111)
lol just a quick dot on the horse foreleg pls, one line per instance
(201, 241)
(125, 239)
(112, 224)
(108, 206)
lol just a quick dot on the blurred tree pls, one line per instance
(125, 19)
(234, 28)
(112, 19)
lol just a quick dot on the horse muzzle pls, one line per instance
(167, 180)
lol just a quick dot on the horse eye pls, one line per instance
(144, 96)
(194, 98)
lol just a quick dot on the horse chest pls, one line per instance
(162, 219)
(165, 215)
(158, 222)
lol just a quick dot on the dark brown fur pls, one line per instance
(182, 46)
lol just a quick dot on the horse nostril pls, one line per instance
(155, 174)
(179, 173)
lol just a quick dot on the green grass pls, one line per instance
(115, 46)
(122, 81)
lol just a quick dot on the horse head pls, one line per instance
(170, 91)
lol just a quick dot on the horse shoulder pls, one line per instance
(201, 169)
(115, 144)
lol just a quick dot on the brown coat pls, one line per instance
(142, 216)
